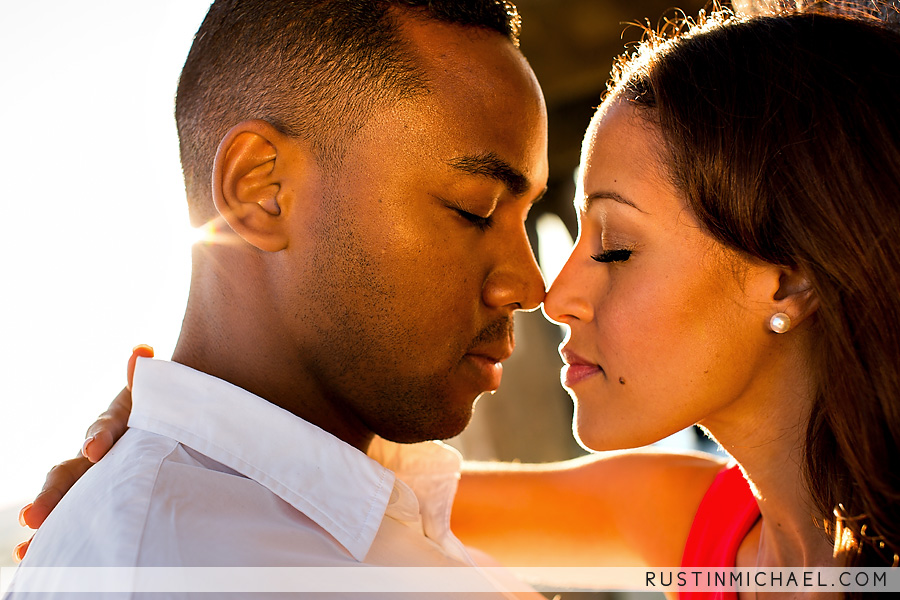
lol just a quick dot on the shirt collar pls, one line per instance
(428, 475)
(334, 484)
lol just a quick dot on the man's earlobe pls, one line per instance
(247, 190)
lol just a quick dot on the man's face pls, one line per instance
(403, 307)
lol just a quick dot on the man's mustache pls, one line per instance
(499, 330)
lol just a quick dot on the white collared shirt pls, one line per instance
(210, 475)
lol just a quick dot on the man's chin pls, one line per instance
(437, 427)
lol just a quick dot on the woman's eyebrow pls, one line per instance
(608, 195)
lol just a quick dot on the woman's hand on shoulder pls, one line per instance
(99, 439)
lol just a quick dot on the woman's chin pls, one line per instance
(601, 435)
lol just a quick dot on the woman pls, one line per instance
(737, 267)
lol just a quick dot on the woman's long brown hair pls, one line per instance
(783, 133)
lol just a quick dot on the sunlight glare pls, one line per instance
(98, 258)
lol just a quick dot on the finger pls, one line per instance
(96, 446)
(22, 512)
(108, 427)
(41, 507)
(112, 423)
(21, 549)
(59, 480)
(139, 350)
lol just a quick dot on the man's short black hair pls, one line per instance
(314, 69)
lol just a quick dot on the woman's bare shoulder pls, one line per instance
(665, 492)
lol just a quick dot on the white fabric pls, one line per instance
(211, 475)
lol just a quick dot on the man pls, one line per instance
(366, 168)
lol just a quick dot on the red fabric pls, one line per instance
(726, 514)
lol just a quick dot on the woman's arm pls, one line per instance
(615, 509)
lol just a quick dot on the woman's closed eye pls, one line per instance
(614, 255)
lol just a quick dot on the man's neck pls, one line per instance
(232, 330)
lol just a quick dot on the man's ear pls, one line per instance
(795, 296)
(249, 189)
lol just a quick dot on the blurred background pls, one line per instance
(96, 243)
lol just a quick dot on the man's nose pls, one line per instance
(517, 282)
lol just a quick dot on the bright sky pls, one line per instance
(95, 242)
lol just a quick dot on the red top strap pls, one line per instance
(726, 514)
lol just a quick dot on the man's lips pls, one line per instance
(495, 352)
(577, 369)
(486, 362)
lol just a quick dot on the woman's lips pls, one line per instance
(576, 373)
(577, 369)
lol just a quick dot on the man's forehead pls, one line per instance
(453, 52)
(483, 114)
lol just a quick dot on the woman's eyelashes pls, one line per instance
(613, 256)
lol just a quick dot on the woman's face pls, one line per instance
(666, 327)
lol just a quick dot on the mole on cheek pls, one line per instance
(622, 380)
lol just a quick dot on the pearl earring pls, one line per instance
(780, 323)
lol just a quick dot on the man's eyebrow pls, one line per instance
(589, 199)
(491, 165)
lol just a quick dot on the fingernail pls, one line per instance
(84, 447)
(22, 512)
(19, 552)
